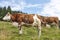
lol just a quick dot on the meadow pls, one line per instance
(10, 32)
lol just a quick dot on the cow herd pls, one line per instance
(31, 19)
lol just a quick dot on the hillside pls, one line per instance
(9, 32)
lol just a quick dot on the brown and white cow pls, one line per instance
(21, 19)
(51, 20)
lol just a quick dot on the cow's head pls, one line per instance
(7, 16)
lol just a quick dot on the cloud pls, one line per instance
(17, 5)
(52, 9)
(33, 5)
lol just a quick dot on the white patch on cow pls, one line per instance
(20, 31)
(15, 23)
(53, 23)
(37, 21)
(47, 25)
(7, 17)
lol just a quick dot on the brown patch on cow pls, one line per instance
(23, 18)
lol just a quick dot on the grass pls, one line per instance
(9, 32)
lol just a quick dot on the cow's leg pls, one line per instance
(39, 28)
(39, 31)
(57, 25)
(20, 28)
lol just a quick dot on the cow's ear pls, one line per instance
(8, 13)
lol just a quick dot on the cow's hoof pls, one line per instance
(20, 32)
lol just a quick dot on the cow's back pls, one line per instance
(17, 17)
(28, 18)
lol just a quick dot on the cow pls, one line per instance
(24, 19)
(51, 20)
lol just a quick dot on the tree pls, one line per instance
(9, 9)
(2, 12)
(0, 9)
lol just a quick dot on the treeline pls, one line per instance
(4, 10)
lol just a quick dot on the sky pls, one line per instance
(41, 7)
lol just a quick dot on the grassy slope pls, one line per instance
(9, 32)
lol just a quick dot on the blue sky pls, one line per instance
(27, 6)
(41, 7)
